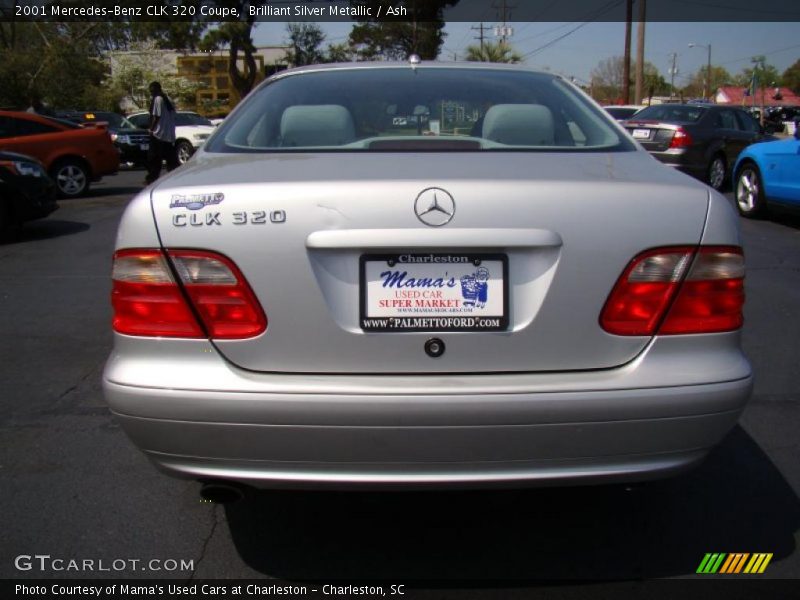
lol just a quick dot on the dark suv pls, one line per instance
(131, 141)
(703, 140)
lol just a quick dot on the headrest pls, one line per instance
(519, 125)
(317, 125)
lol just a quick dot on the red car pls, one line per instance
(73, 155)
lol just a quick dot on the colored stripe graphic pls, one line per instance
(711, 562)
(724, 563)
(758, 563)
(734, 563)
(741, 562)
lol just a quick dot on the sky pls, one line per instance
(585, 45)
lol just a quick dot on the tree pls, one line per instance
(53, 62)
(767, 75)
(65, 63)
(607, 80)
(132, 72)
(237, 36)
(791, 77)
(420, 32)
(496, 53)
(339, 53)
(305, 40)
(696, 84)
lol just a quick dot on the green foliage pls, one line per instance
(305, 40)
(237, 36)
(339, 53)
(65, 63)
(54, 62)
(420, 32)
(491, 52)
(766, 74)
(719, 77)
(791, 77)
(133, 71)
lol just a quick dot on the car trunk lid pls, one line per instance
(302, 228)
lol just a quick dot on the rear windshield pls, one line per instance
(671, 113)
(621, 113)
(189, 119)
(422, 109)
(113, 119)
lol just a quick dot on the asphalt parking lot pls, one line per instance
(73, 487)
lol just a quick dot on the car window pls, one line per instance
(621, 113)
(141, 120)
(64, 122)
(671, 113)
(747, 123)
(114, 120)
(25, 127)
(183, 119)
(404, 109)
(725, 119)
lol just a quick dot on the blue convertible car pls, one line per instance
(768, 173)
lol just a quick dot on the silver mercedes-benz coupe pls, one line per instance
(425, 274)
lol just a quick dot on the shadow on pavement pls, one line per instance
(784, 217)
(113, 190)
(45, 229)
(737, 501)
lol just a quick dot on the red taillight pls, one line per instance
(681, 139)
(677, 291)
(148, 301)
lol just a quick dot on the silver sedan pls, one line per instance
(413, 274)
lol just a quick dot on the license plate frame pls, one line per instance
(467, 306)
(641, 134)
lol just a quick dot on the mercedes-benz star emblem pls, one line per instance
(434, 207)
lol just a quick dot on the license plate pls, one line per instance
(434, 292)
(640, 134)
(145, 146)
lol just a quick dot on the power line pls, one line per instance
(771, 52)
(480, 36)
(603, 10)
(505, 13)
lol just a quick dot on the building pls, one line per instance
(217, 95)
(771, 96)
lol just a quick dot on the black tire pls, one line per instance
(183, 151)
(71, 176)
(716, 172)
(749, 192)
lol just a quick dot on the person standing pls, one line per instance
(162, 133)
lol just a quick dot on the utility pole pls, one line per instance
(759, 62)
(480, 36)
(673, 70)
(640, 51)
(503, 31)
(626, 63)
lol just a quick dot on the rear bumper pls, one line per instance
(38, 202)
(296, 431)
(689, 162)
